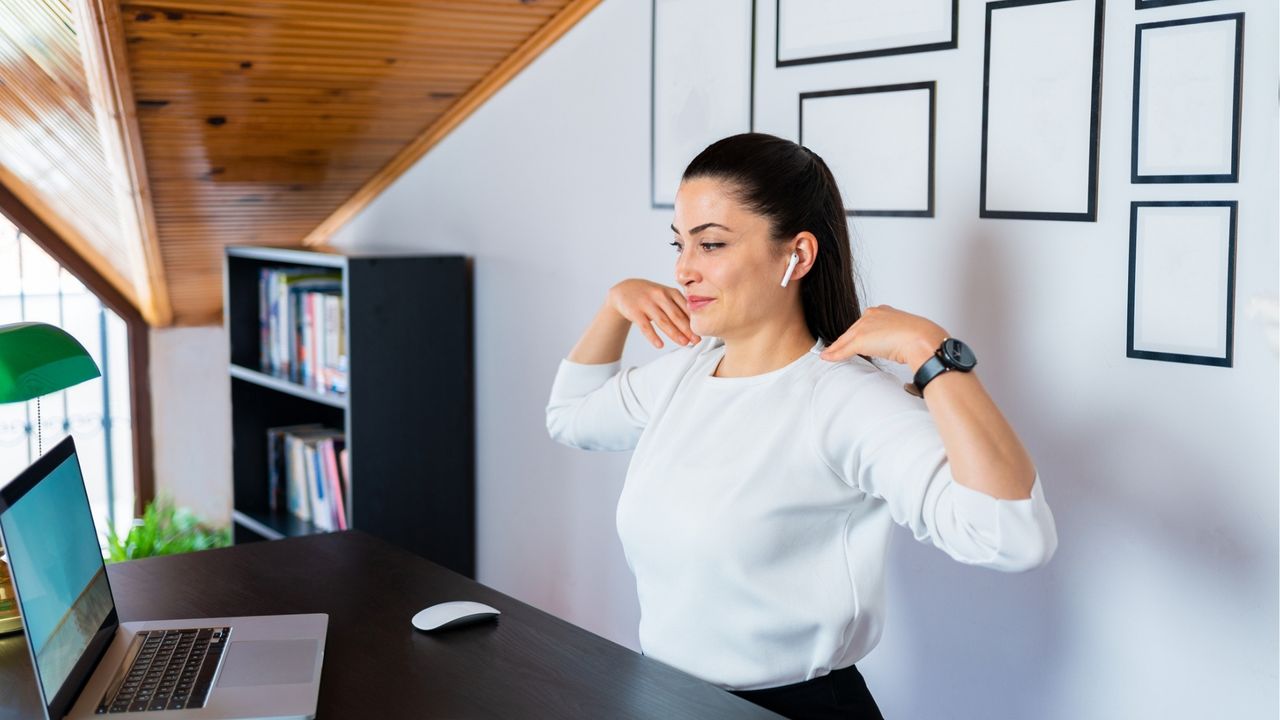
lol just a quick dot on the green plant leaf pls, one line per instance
(164, 529)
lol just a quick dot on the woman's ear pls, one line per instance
(804, 245)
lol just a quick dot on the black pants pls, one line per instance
(840, 695)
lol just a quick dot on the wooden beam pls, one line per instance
(144, 455)
(43, 234)
(102, 49)
(461, 110)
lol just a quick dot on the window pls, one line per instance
(35, 288)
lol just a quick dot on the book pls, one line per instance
(331, 371)
(264, 319)
(321, 514)
(276, 465)
(337, 492)
(297, 494)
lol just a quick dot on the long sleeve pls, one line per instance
(879, 439)
(594, 407)
(603, 407)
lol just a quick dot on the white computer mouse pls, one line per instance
(452, 614)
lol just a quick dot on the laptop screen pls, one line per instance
(57, 570)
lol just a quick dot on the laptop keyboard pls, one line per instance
(171, 670)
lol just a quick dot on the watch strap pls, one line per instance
(932, 368)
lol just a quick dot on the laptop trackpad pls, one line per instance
(269, 662)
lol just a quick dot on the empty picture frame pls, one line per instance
(702, 83)
(879, 144)
(1187, 77)
(1182, 281)
(818, 31)
(1042, 76)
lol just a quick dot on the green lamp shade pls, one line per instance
(37, 359)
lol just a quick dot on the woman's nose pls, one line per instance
(686, 273)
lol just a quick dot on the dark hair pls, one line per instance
(793, 188)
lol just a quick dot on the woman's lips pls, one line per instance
(697, 302)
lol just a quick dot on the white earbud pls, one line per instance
(791, 267)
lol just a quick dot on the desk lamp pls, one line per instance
(35, 359)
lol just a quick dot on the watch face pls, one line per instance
(958, 355)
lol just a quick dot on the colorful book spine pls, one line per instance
(304, 461)
(297, 493)
(264, 318)
(277, 467)
(293, 322)
(321, 513)
(336, 490)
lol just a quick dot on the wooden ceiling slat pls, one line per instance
(238, 47)
(246, 213)
(393, 29)
(331, 130)
(221, 83)
(184, 58)
(214, 51)
(476, 9)
(181, 64)
(287, 110)
(155, 95)
(269, 91)
(390, 32)
(308, 13)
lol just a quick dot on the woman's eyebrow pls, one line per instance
(700, 228)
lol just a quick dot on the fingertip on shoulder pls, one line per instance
(853, 364)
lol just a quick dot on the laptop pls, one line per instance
(88, 664)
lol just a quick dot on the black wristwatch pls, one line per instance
(953, 354)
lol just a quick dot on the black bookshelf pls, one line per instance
(408, 415)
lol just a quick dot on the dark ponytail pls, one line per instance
(793, 188)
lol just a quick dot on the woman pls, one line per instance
(771, 456)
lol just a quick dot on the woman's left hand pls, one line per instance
(888, 333)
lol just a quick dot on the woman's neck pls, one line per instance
(765, 349)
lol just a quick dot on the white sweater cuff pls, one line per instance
(1022, 532)
(578, 379)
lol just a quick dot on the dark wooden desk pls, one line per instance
(529, 664)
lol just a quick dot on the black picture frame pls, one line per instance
(653, 91)
(1237, 98)
(1233, 222)
(1095, 117)
(881, 52)
(1145, 4)
(932, 87)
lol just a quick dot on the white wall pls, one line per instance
(191, 420)
(1162, 599)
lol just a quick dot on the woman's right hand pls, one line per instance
(647, 304)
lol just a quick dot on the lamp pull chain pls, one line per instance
(39, 427)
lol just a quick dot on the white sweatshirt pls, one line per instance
(756, 510)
